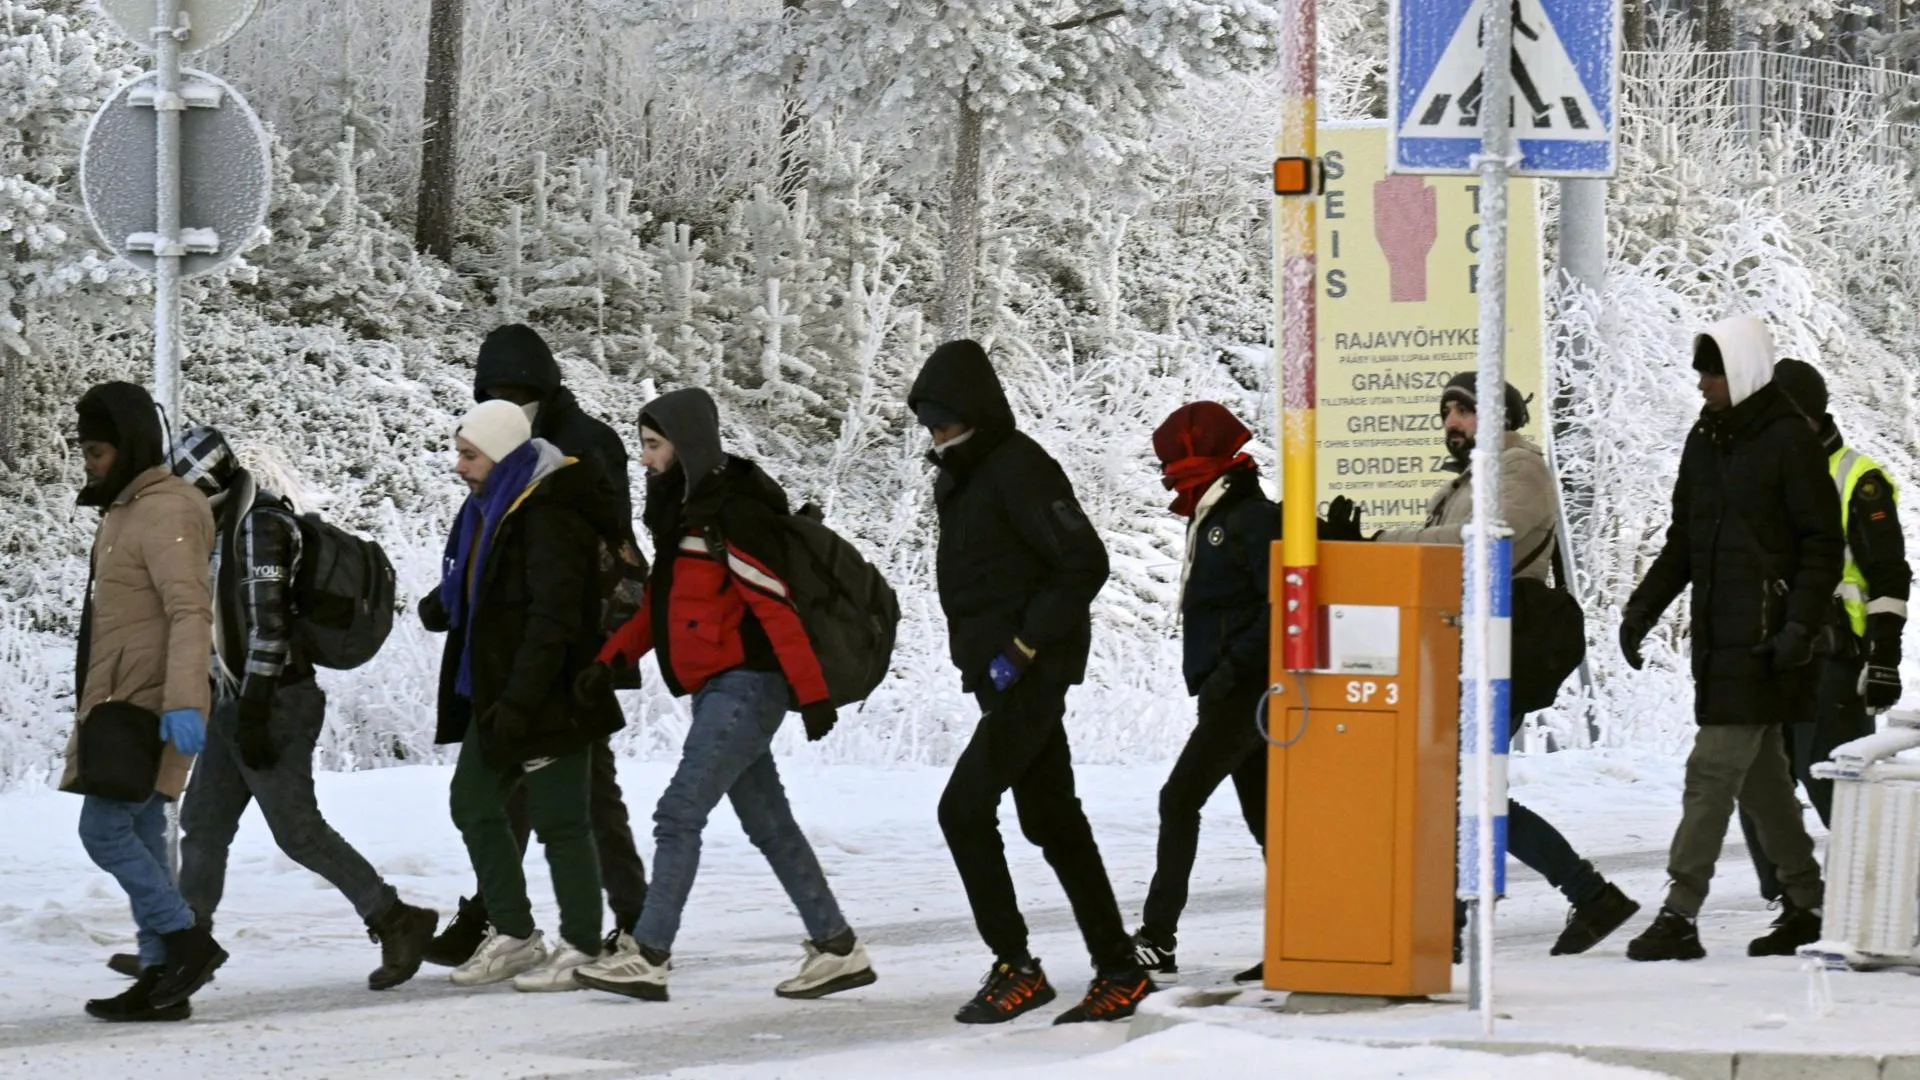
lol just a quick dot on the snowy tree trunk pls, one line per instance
(434, 219)
(1717, 23)
(963, 225)
(793, 126)
(1634, 25)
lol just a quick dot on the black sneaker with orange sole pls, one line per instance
(1007, 992)
(1110, 997)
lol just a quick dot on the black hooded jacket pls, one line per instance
(517, 356)
(535, 620)
(1017, 556)
(1756, 532)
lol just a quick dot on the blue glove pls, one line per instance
(186, 729)
(1009, 665)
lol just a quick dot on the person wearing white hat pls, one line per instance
(519, 603)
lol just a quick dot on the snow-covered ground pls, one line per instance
(292, 1002)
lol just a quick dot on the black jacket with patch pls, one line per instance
(1224, 613)
(1017, 555)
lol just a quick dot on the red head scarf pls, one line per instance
(1197, 445)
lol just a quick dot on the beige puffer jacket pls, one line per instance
(152, 611)
(1529, 501)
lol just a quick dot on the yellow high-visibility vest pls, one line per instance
(1848, 467)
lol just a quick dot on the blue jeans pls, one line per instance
(1535, 842)
(129, 841)
(728, 754)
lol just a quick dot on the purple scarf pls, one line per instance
(473, 531)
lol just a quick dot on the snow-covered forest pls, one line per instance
(790, 204)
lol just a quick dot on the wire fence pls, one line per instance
(1766, 95)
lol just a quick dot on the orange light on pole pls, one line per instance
(1295, 275)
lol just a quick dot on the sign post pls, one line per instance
(1459, 70)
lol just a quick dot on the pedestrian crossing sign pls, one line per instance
(1566, 86)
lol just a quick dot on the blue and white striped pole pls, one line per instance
(1485, 701)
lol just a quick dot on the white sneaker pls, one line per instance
(556, 974)
(500, 958)
(823, 973)
(628, 973)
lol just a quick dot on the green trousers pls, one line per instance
(557, 798)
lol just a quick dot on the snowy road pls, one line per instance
(292, 1003)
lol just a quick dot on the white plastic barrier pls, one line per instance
(1872, 916)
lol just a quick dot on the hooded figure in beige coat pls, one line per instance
(145, 635)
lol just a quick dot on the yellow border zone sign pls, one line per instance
(1398, 311)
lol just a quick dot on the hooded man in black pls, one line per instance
(1019, 565)
(515, 365)
(1756, 533)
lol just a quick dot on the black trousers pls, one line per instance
(1224, 744)
(1840, 716)
(622, 873)
(1020, 745)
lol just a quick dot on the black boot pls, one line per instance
(404, 933)
(1589, 924)
(1255, 974)
(1672, 936)
(461, 939)
(124, 963)
(1795, 927)
(136, 1005)
(192, 958)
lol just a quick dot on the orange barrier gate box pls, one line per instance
(1361, 778)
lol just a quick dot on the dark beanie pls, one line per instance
(932, 414)
(1706, 356)
(1464, 388)
(1802, 384)
(97, 423)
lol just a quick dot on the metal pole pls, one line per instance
(1583, 264)
(1487, 574)
(1295, 275)
(168, 106)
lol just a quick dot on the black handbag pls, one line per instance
(1549, 636)
(120, 752)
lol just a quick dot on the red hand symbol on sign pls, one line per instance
(1406, 215)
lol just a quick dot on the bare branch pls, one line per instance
(1088, 20)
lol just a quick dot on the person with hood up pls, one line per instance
(1860, 676)
(1224, 618)
(1530, 506)
(267, 716)
(720, 616)
(143, 646)
(1756, 533)
(515, 365)
(1018, 565)
(518, 603)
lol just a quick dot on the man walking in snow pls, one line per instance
(1860, 676)
(720, 616)
(515, 365)
(1019, 565)
(140, 689)
(268, 713)
(1224, 630)
(1530, 506)
(520, 607)
(1756, 532)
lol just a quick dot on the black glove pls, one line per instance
(1634, 628)
(505, 722)
(1792, 647)
(1343, 520)
(593, 684)
(1880, 679)
(254, 714)
(433, 614)
(1219, 684)
(819, 719)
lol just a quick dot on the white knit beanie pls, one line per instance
(496, 428)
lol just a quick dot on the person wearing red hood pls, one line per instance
(1224, 630)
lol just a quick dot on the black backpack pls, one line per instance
(343, 595)
(849, 610)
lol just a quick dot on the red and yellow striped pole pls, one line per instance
(1296, 174)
